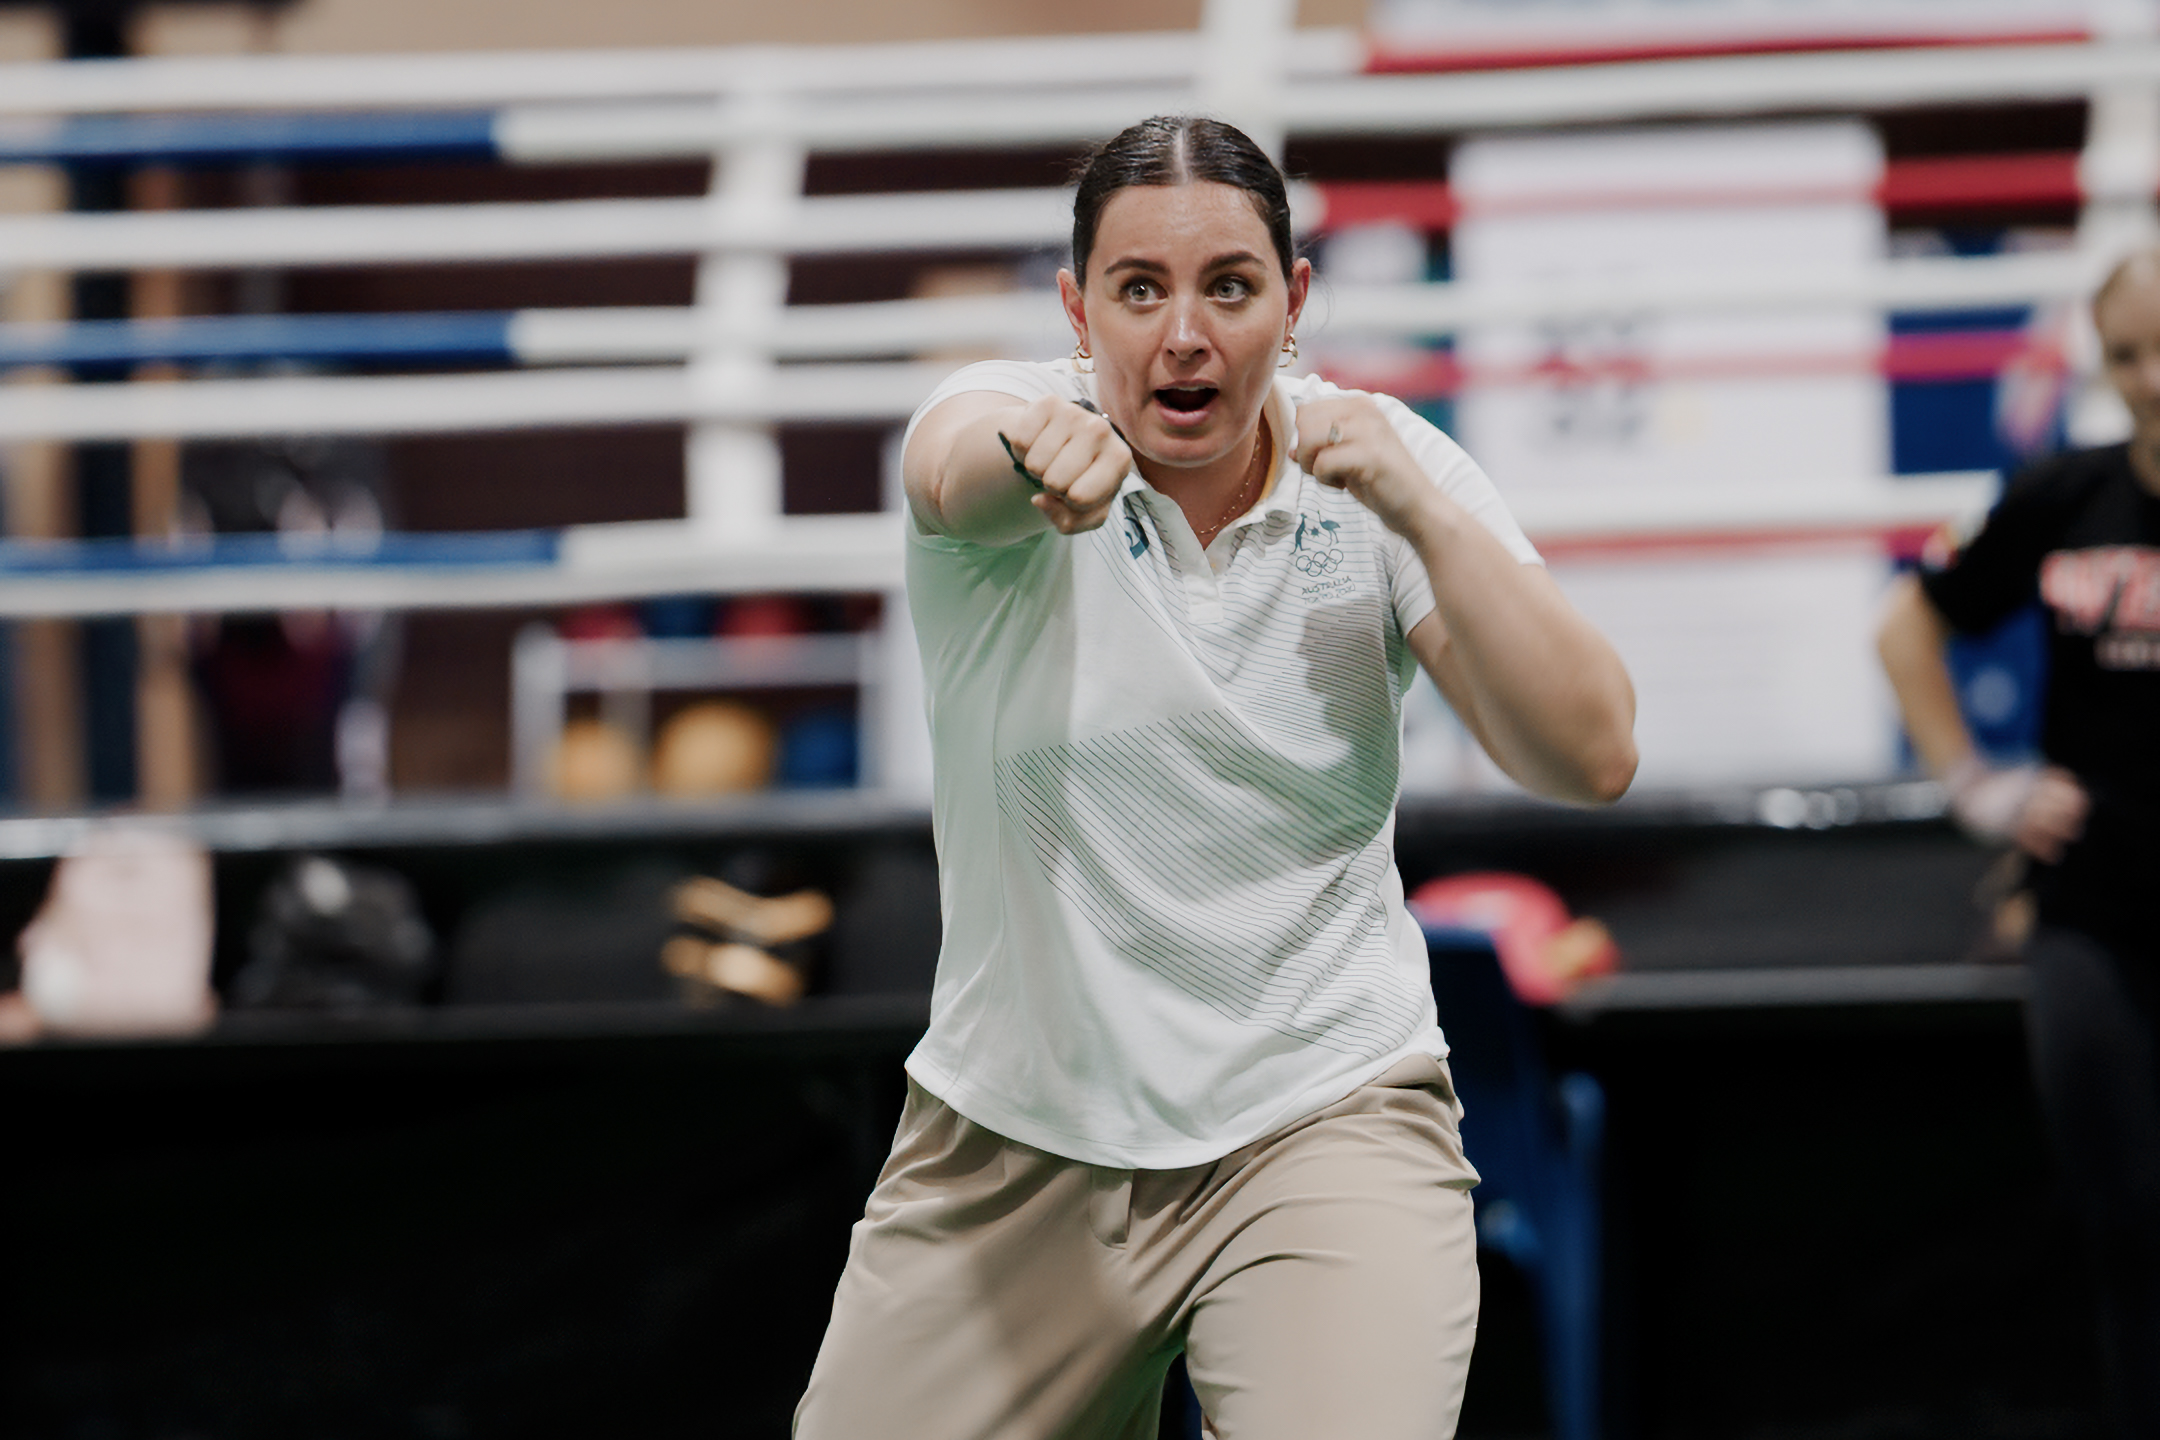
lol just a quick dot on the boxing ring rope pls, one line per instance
(577, 565)
(583, 563)
(580, 78)
(549, 230)
(862, 100)
(649, 334)
(821, 225)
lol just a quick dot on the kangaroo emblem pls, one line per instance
(1315, 527)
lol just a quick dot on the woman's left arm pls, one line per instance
(1542, 690)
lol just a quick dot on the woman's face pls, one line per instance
(2129, 324)
(1184, 307)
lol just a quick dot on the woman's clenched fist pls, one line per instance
(1073, 456)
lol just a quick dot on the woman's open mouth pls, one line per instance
(1188, 400)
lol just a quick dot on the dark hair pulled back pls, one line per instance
(1176, 150)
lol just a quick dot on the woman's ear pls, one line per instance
(1075, 306)
(1300, 287)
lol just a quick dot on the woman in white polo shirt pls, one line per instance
(1183, 1089)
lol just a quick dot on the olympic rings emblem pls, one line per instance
(1317, 562)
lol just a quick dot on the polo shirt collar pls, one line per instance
(1285, 480)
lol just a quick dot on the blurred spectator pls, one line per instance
(121, 945)
(332, 935)
(298, 700)
(2082, 532)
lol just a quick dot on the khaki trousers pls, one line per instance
(1322, 1282)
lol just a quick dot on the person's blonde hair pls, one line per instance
(2123, 271)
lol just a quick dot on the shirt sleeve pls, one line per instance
(1021, 379)
(1459, 477)
(1998, 570)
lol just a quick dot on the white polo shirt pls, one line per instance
(1165, 784)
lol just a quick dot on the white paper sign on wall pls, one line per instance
(1755, 666)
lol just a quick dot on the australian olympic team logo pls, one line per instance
(1314, 551)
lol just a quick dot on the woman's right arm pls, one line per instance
(2042, 809)
(1912, 642)
(961, 481)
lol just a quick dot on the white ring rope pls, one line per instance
(833, 553)
(1024, 320)
(561, 229)
(1044, 104)
(442, 404)
(442, 81)
(1841, 81)
(853, 553)
(1349, 105)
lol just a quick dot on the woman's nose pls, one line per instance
(1187, 332)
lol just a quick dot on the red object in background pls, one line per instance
(1428, 205)
(600, 622)
(1939, 182)
(764, 615)
(273, 686)
(1543, 950)
(1911, 183)
(1531, 55)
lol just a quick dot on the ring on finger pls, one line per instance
(1334, 433)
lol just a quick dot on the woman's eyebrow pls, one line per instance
(1225, 261)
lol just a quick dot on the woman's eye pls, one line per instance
(1140, 290)
(1232, 287)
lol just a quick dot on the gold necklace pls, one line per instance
(1239, 504)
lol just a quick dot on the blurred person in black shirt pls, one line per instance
(295, 698)
(2081, 533)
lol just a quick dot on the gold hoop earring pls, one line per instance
(1289, 352)
(1082, 361)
